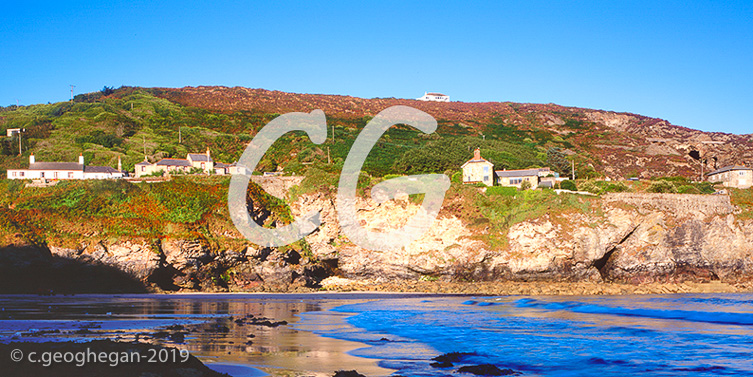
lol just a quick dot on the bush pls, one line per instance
(591, 187)
(568, 185)
(688, 189)
(525, 185)
(501, 190)
(662, 187)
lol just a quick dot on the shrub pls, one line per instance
(525, 185)
(591, 187)
(568, 185)
(688, 189)
(501, 190)
(662, 187)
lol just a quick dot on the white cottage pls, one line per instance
(65, 170)
(437, 97)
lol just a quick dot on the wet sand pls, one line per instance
(535, 288)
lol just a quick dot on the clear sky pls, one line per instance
(685, 61)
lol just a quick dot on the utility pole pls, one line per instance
(72, 86)
(328, 160)
(573, 168)
(144, 138)
(19, 142)
(333, 133)
(180, 137)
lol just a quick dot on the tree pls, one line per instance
(556, 161)
(525, 185)
(568, 185)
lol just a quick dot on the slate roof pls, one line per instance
(436, 94)
(100, 169)
(517, 173)
(56, 166)
(198, 157)
(173, 162)
(729, 168)
(143, 163)
(221, 165)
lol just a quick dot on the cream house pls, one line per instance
(733, 176)
(193, 161)
(478, 170)
(65, 170)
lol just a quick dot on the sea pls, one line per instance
(400, 334)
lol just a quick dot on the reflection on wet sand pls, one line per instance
(231, 331)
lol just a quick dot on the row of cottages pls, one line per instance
(480, 170)
(202, 161)
(65, 170)
(732, 176)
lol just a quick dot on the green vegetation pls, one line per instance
(501, 211)
(72, 211)
(744, 200)
(569, 185)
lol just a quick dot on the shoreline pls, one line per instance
(508, 288)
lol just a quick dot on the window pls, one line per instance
(20, 174)
(13, 174)
(143, 168)
(55, 174)
(41, 175)
(516, 181)
(742, 173)
(486, 178)
(486, 169)
(70, 174)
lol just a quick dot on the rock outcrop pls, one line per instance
(636, 238)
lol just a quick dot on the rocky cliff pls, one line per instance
(628, 238)
(634, 238)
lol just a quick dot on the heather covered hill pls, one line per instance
(615, 144)
(132, 123)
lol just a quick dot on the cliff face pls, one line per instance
(635, 238)
(630, 238)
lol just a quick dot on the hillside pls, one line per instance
(130, 122)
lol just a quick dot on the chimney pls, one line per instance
(31, 159)
(207, 153)
(81, 159)
(477, 154)
(120, 166)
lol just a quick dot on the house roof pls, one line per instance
(517, 173)
(173, 162)
(474, 161)
(143, 163)
(199, 157)
(729, 168)
(100, 169)
(436, 94)
(221, 165)
(69, 166)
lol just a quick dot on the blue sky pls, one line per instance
(687, 62)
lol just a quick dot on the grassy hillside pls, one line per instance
(133, 122)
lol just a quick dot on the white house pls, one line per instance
(65, 170)
(437, 97)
